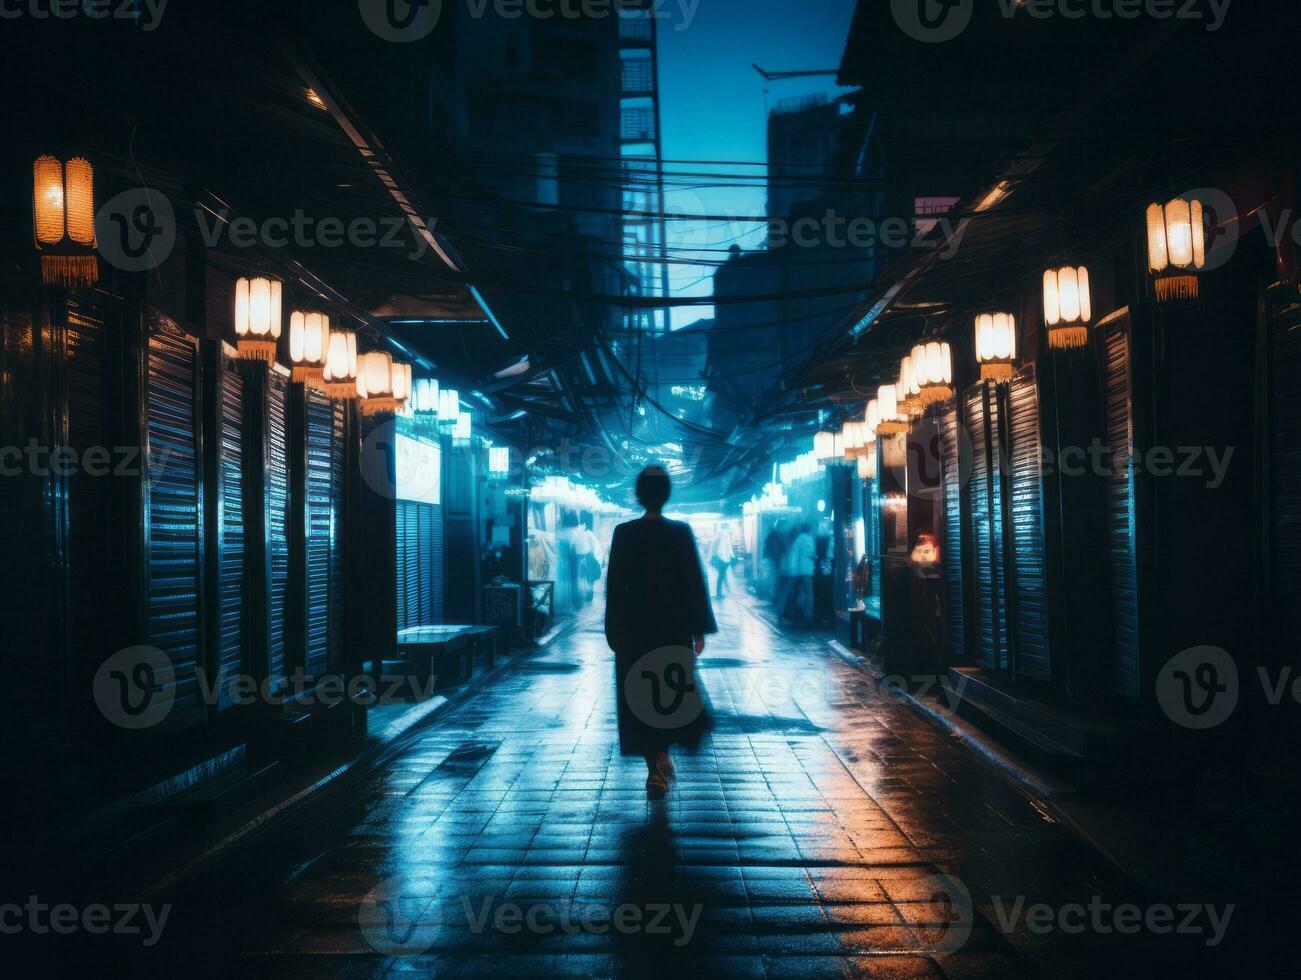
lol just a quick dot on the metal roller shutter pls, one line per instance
(277, 518)
(172, 512)
(1121, 544)
(320, 527)
(1029, 588)
(89, 547)
(232, 533)
(951, 489)
(985, 500)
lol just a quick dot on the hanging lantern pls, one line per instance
(996, 346)
(824, 444)
(932, 371)
(63, 221)
(1176, 248)
(449, 407)
(424, 396)
(851, 440)
(1068, 308)
(908, 393)
(401, 383)
(463, 429)
(873, 418)
(375, 383)
(867, 465)
(257, 318)
(309, 346)
(499, 460)
(838, 445)
(339, 373)
(890, 420)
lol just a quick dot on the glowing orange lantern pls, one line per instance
(1176, 248)
(1068, 307)
(63, 221)
(257, 318)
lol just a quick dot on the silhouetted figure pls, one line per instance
(774, 554)
(802, 563)
(657, 614)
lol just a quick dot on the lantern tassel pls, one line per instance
(996, 371)
(1066, 338)
(1176, 288)
(69, 271)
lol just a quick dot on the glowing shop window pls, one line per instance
(419, 471)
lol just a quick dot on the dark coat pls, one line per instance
(656, 600)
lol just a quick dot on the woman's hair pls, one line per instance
(653, 487)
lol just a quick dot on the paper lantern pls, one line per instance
(257, 318)
(375, 383)
(996, 346)
(309, 346)
(932, 371)
(867, 464)
(852, 437)
(1068, 307)
(463, 430)
(63, 221)
(890, 420)
(824, 445)
(449, 407)
(873, 417)
(424, 396)
(339, 373)
(401, 382)
(1176, 248)
(499, 460)
(908, 391)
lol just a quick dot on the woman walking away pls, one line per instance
(657, 614)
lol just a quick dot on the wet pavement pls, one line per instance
(822, 829)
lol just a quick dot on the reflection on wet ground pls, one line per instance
(822, 829)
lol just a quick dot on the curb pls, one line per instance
(388, 742)
(971, 737)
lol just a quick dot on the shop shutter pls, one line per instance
(277, 475)
(1121, 525)
(172, 511)
(90, 524)
(320, 525)
(953, 545)
(408, 559)
(419, 564)
(231, 590)
(985, 498)
(438, 575)
(1028, 589)
(338, 643)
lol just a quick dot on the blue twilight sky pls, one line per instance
(714, 106)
